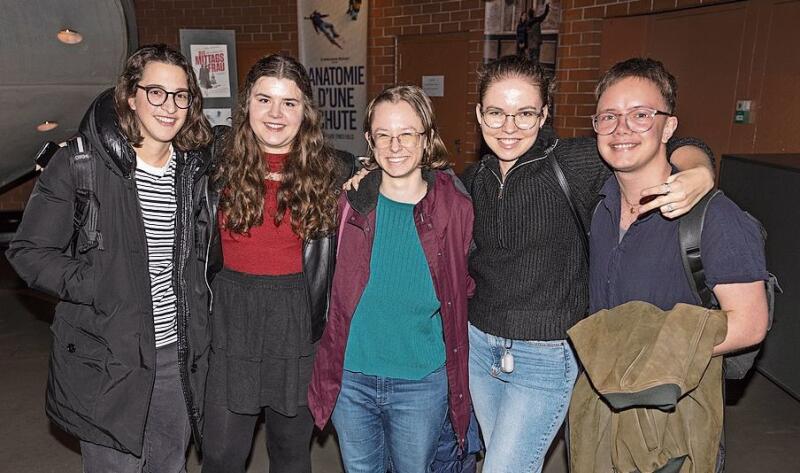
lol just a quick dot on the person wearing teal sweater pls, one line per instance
(392, 363)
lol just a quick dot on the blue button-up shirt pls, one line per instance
(646, 264)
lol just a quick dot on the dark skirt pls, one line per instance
(262, 354)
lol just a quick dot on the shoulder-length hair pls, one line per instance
(195, 133)
(309, 172)
(434, 155)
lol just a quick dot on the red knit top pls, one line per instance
(267, 249)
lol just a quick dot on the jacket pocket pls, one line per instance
(78, 367)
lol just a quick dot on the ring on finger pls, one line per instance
(669, 208)
(667, 188)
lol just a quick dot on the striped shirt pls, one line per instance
(156, 189)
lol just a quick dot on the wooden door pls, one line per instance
(775, 81)
(708, 76)
(721, 54)
(440, 55)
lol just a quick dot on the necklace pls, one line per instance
(273, 176)
(634, 208)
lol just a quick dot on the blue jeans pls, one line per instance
(519, 412)
(381, 420)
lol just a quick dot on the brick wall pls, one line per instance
(391, 18)
(255, 21)
(274, 22)
(578, 63)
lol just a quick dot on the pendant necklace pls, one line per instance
(634, 209)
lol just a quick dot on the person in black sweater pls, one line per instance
(529, 262)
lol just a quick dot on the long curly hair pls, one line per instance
(309, 172)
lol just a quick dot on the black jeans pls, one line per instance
(228, 437)
(166, 433)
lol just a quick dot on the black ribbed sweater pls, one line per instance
(530, 271)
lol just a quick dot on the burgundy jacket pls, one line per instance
(444, 222)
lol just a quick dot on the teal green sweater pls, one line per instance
(396, 329)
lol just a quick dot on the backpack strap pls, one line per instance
(87, 207)
(562, 182)
(690, 229)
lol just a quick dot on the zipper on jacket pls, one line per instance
(500, 193)
(181, 250)
(212, 227)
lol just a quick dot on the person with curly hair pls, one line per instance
(278, 185)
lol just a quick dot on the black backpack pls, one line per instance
(87, 207)
(738, 364)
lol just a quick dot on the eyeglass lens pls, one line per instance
(523, 120)
(158, 96)
(638, 120)
(406, 140)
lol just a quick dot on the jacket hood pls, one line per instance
(365, 199)
(100, 126)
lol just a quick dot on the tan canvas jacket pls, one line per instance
(650, 399)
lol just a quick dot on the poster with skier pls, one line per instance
(333, 47)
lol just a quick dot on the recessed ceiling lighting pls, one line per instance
(47, 125)
(68, 36)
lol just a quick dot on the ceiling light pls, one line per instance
(68, 36)
(47, 125)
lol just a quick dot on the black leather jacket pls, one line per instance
(319, 254)
(102, 364)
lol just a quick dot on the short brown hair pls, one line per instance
(196, 132)
(434, 156)
(642, 68)
(508, 67)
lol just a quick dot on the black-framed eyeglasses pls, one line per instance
(409, 139)
(524, 120)
(638, 120)
(157, 96)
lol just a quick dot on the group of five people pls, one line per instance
(234, 278)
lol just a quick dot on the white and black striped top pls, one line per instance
(156, 189)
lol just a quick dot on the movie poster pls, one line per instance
(333, 47)
(211, 66)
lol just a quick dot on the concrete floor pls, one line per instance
(763, 423)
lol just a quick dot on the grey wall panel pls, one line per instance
(44, 79)
(771, 191)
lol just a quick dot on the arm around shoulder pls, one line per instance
(37, 251)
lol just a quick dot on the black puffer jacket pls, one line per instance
(102, 363)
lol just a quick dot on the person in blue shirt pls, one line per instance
(637, 256)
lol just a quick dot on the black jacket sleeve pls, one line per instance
(37, 250)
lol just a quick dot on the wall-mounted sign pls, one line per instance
(212, 54)
(742, 114)
(433, 85)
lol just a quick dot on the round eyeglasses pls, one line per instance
(524, 120)
(157, 96)
(406, 140)
(638, 120)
